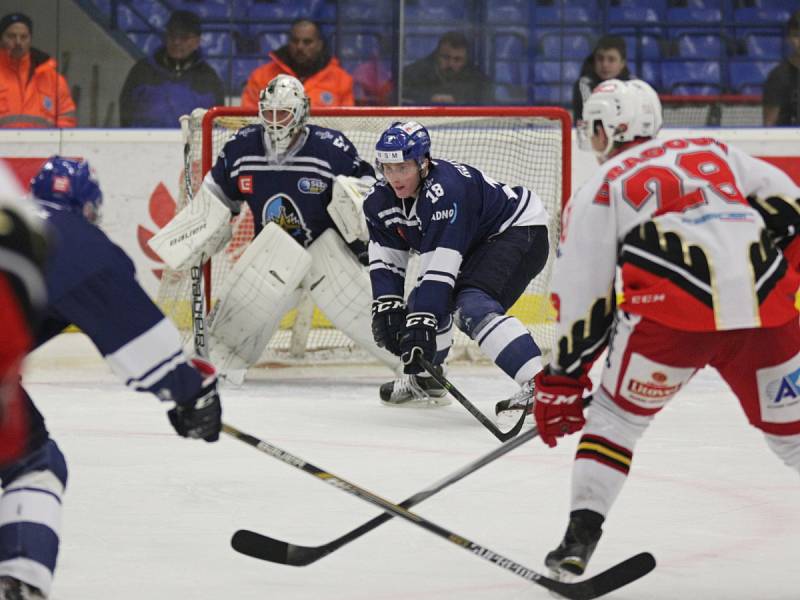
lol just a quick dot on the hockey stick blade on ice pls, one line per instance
(617, 576)
(471, 408)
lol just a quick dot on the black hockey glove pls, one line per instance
(419, 339)
(388, 322)
(360, 250)
(200, 417)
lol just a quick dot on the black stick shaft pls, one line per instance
(471, 408)
(583, 590)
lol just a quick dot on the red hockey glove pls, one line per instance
(558, 406)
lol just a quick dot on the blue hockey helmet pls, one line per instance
(403, 141)
(71, 184)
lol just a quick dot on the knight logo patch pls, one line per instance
(245, 184)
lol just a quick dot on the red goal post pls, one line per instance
(527, 146)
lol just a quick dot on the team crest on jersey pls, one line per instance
(323, 134)
(311, 185)
(281, 210)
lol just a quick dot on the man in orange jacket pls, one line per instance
(306, 57)
(32, 92)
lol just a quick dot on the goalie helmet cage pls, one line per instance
(527, 146)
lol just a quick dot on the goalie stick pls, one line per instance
(471, 408)
(615, 577)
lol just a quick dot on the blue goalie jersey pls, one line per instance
(91, 283)
(293, 191)
(458, 207)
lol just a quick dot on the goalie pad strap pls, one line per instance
(200, 227)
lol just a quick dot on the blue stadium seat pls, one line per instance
(431, 13)
(207, 9)
(705, 46)
(358, 46)
(271, 41)
(510, 73)
(360, 11)
(764, 47)
(241, 69)
(648, 47)
(753, 15)
(551, 71)
(556, 46)
(507, 11)
(691, 16)
(509, 94)
(220, 65)
(146, 42)
(711, 4)
(688, 72)
(626, 15)
(550, 94)
(216, 43)
(576, 15)
(659, 6)
(420, 45)
(696, 89)
(651, 73)
(748, 76)
(508, 45)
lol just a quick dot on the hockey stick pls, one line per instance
(198, 309)
(471, 408)
(270, 549)
(617, 576)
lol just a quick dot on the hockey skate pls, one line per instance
(14, 589)
(569, 560)
(510, 408)
(414, 390)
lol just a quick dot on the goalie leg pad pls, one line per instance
(260, 288)
(201, 227)
(340, 287)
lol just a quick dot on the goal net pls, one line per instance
(514, 145)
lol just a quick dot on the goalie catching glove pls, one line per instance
(558, 405)
(201, 416)
(419, 339)
(346, 206)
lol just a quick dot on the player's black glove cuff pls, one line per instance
(200, 417)
(419, 339)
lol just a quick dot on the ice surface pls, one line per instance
(149, 515)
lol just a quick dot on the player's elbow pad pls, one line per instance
(201, 227)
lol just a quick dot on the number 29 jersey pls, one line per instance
(670, 225)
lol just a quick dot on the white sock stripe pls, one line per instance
(527, 371)
(499, 337)
(44, 480)
(28, 505)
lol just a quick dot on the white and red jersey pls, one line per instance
(665, 230)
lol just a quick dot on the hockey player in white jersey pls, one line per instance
(91, 283)
(480, 243)
(304, 185)
(671, 259)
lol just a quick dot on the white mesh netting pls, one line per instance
(517, 146)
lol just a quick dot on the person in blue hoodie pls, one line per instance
(173, 81)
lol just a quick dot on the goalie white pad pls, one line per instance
(340, 287)
(261, 287)
(201, 227)
(346, 207)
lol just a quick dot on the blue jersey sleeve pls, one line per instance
(388, 251)
(342, 153)
(91, 284)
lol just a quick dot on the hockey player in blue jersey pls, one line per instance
(304, 185)
(480, 243)
(90, 283)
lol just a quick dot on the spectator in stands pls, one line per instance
(608, 60)
(446, 76)
(32, 92)
(307, 58)
(782, 89)
(173, 81)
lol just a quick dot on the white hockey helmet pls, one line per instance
(283, 108)
(626, 109)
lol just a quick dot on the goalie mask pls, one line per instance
(626, 109)
(283, 109)
(401, 142)
(71, 185)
